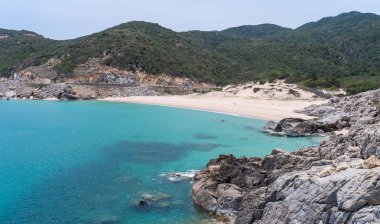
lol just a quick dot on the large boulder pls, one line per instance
(334, 121)
(292, 127)
(287, 124)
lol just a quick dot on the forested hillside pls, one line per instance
(341, 51)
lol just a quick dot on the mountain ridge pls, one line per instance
(334, 52)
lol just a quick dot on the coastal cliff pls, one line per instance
(336, 182)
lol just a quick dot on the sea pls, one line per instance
(94, 162)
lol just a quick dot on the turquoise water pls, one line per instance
(90, 162)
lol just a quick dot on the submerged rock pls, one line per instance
(154, 197)
(151, 199)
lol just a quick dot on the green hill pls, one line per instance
(341, 51)
(249, 31)
(21, 49)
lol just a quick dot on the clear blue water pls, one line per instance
(89, 162)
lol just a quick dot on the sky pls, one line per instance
(67, 19)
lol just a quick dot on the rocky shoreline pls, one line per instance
(93, 80)
(65, 91)
(73, 91)
(336, 182)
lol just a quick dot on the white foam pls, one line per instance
(180, 176)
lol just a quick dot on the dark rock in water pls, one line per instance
(155, 201)
(336, 182)
(291, 127)
(142, 203)
(151, 198)
(154, 197)
(304, 128)
(271, 125)
(296, 127)
(287, 123)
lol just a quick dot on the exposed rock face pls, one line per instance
(64, 91)
(337, 182)
(93, 80)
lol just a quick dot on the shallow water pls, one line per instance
(91, 162)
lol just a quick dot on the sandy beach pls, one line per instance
(266, 109)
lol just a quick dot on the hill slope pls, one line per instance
(341, 51)
(21, 49)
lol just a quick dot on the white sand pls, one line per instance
(266, 109)
(278, 90)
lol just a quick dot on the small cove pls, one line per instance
(91, 162)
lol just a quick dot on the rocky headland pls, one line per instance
(336, 182)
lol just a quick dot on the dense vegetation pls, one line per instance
(342, 51)
(22, 49)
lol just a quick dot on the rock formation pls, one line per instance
(337, 182)
(93, 80)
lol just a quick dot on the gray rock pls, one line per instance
(204, 195)
(336, 182)
(207, 200)
(362, 189)
(335, 216)
(367, 215)
(252, 206)
(229, 199)
(371, 142)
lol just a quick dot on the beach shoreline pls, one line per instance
(264, 109)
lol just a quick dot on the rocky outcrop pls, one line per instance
(362, 108)
(336, 182)
(337, 114)
(296, 127)
(293, 127)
